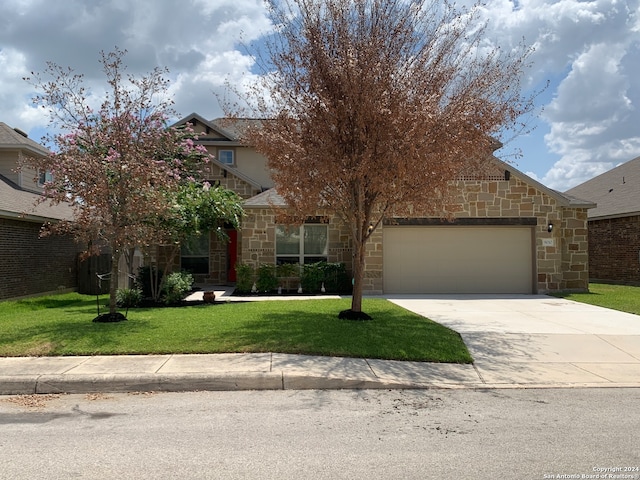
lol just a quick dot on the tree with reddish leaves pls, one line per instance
(375, 106)
(118, 165)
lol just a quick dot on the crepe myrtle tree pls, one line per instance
(117, 165)
(373, 107)
(195, 209)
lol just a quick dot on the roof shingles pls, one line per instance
(11, 138)
(18, 203)
(617, 192)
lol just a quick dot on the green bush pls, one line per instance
(244, 278)
(288, 270)
(176, 287)
(334, 276)
(312, 277)
(128, 297)
(266, 280)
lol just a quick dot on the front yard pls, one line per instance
(618, 297)
(61, 325)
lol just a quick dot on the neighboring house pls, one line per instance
(614, 226)
(29, 264)
(510, 233)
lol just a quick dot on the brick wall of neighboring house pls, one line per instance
(561, 260)
(30, 265)
(614, 249)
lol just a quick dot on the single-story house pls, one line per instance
(510, 234)
(614, 225)
(29, 264)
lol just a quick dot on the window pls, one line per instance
(226, 157)
(44, 176)
(194, 255)
(301, 244)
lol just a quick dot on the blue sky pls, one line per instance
(589, 51)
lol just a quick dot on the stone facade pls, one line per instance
(560, 257)
(219, 176)
(614, 249)
(501, 197)
(258, 232)
(561, 260)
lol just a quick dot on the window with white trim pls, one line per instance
(301, 244)
(226, 157)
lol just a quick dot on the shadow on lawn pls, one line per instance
(387, 336)
(40, 303)
(82, 335)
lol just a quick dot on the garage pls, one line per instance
(458, 259)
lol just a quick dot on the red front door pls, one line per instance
(232, 255)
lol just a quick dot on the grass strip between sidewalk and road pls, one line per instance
(61, 325)
(617, 297)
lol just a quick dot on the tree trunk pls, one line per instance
(358, 276)
(113, 281)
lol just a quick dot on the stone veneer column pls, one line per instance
(575, 258)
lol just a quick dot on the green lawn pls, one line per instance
(617, 297)
(61, 325)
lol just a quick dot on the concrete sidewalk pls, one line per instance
(526, 341)
(261, 371)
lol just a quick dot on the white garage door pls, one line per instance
(457, 259)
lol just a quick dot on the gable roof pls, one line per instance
(14, 139)
(18, 203)
(268, 198)
(617, 192)
(231, 130)
(216, 133)
(220, 137)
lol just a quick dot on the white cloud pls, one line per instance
(590, 50)
(15, 96)
(198, 40)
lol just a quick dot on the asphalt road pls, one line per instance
(409, 434)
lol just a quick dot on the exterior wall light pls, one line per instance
(549, 227)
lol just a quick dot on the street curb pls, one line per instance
(119, 383)
(125, 383)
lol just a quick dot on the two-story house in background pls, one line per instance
(29, 264)
(510, 234)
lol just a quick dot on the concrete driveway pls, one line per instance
(537, 339)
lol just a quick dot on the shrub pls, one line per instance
(312, 277)
(288, 270)
(336, 279)
(244, 278)
(333, 275)
(128, 297)
(266, 280)
(288, 275)
(176, 286)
